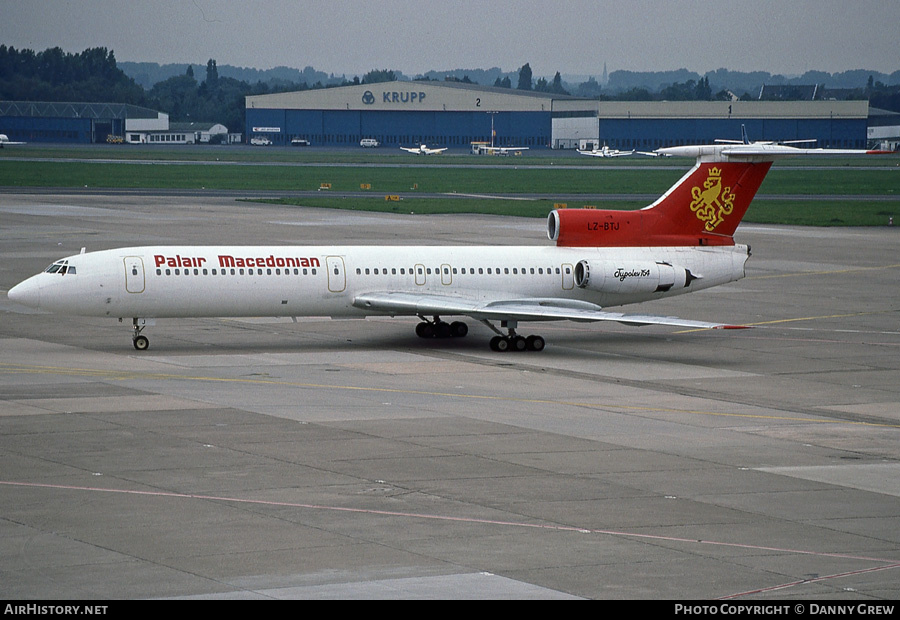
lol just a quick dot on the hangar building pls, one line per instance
(403, 113)
(75, 123)
(454, 114)
(648, 125)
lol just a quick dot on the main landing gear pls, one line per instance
(510, 341)
(440, 329)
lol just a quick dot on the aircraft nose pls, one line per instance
(27, 293)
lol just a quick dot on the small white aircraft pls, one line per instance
(5, 141)
(605, 151)
(746, 140)
(680, 244)
(422, 150)
(501, 150)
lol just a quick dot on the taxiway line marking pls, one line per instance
(890, 563)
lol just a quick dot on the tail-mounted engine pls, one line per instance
(627, 277)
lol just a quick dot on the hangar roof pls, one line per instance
(410, 96)
(64, 109)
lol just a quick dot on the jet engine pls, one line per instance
(628, 277)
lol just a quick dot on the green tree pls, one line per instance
(524, 77)
(375, 76)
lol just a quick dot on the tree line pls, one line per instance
(54, 75)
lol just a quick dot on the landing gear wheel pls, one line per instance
(517, 343)
(535, 343)
(425, 330)
(458, 329)
(500, 344)
(442, 330)
(141, 343)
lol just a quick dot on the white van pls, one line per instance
(260, 141)
(368, 143)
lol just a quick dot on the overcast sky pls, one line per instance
(575, 37)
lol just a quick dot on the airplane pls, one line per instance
(745, 139)
(501, 150)
(605, 151)
(5, 141)
(682, 243)
(422, 150)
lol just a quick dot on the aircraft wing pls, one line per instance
(525, 309)
(755, 151)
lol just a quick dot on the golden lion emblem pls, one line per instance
(713, 202)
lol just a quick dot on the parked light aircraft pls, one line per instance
(501, 150)
(745, 139)
(605, 151)
(681, 243)
(5, 141)
(422, 150)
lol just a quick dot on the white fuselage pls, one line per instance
(224, 281)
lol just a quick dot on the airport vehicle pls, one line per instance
(680, 244)
(299, 142)
(260, 141)
(5, 141)
(422, 150)
(368, 143)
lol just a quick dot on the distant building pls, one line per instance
(450, 114)
(75, 123)
(184, 133)
(648, 125)
(884, 130)
(456, 115)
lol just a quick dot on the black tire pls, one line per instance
(458, 329)
(141, 343)
(535, 343)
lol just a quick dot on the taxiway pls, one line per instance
(349, 459)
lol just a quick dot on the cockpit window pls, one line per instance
(61, 267)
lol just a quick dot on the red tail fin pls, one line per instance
(703, 208)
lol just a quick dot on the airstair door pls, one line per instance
(337, 278)
(134, 274)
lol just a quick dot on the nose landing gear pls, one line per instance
(141, 343)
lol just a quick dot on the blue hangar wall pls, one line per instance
(648, 134)
(442, 114)
(400, 128)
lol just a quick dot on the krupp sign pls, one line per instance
(394, 96)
